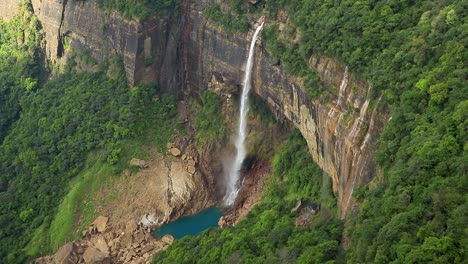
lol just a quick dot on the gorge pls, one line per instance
(125, 110)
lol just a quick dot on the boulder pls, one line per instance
(67, 254)
(139, 237)
(167, 239)
(140, 163)
(169, 145)
(175, 152)
(127, 240)
(191, 169)
(147, 248)
(101, 223)
(101, 244)
(94, 256)
(191, 162)
(131, 227)
(129, 255)
(227, 220)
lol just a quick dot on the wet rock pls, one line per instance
(67, 254)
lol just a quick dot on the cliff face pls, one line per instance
(8, 8)
(340, 133)
(189, 52)
(149, 49)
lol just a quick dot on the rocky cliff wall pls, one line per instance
(340, 133)
(8, 8)
(149, 49)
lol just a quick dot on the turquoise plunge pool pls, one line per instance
(190, 225)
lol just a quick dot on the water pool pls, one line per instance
(190, 225)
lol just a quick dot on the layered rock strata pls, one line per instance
(190, 52)
(340, 132)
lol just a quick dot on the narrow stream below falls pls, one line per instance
(190, 225)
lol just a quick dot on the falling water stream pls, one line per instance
(232, 184)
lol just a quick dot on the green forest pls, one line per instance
(50, 129)
(268, 234)
(58, 132)
(414, 53)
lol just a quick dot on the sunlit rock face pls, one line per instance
(8, 8)
(149, 48)
(188, 52)
(341, 132)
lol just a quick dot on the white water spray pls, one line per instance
(232, 184)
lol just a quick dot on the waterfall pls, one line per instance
(232, 184)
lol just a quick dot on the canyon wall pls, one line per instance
(341, 133)
(149, 49)
(8, 8)
(191, 52)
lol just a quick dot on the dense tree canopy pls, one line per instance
(413, 53)
(268, 234)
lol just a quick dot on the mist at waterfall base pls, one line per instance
(233, 169)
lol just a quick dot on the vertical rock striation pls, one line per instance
(340, 133)
(149, 48)
(189, 52)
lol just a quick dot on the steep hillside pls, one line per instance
(376, 90)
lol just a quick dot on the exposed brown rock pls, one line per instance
(175, 152)
(191, 163)
(67, 254)
(101, 244)
(167, 239)
(227, 220)
(139, 237)
(191, 169)
(140, 163)
(101, 223)
(94, 256)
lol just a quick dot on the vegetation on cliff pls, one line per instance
(20, 39)
(140, 9)
(50, 129)
(209, 120)
(268, 234)
(414, 55)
